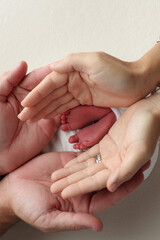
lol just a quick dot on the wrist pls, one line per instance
(7, 215)
(153, 101)
(148, 70)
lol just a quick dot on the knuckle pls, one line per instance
(40, 95)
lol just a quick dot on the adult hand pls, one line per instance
(89, 79)
(27, 196)
(129, 144)
(20, 141)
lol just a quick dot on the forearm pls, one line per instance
(7, 217)
(149, 66)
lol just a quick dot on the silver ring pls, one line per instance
(98, 158)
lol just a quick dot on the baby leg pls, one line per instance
(81, 116)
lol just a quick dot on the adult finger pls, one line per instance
(105, 199)
(63, 108)
(64, 172)
(12, 78)
(33, 78)
(81, 62)
(89, 184)
(28, 113)
(90, 153)
(77, 177)
(133, 161)
(52, 106)
(74, 221)
(50, 83)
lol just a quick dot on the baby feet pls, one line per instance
(81, 116)
(84, 117)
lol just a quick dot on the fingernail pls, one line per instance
(51, 188)
(19, 117)
(22, 104)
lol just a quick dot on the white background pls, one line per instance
(42, 31)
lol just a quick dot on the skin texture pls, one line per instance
(28, 197)
(80, 118)
(92, 79)
(18, 138)
(129, 144)
(100, 79)
(25, 192)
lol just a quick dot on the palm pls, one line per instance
(38, 206)
(30, 198)
(99, 84)
(99, 80)
(20, 141)
(129, 144)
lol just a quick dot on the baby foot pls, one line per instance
(81, 116)
(92, 134)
